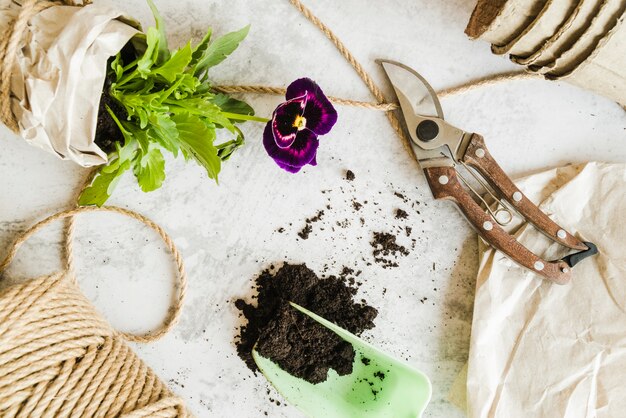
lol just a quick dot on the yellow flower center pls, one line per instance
(299, 122)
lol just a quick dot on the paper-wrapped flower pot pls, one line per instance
(604, 21)
(565, 37)
(501, 21)
(552, 17)
(55, 62)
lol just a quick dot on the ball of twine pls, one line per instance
(60, 358)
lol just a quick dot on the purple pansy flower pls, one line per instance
(290, 138)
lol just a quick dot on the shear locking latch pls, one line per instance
(576, 258)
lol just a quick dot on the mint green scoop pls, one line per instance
(379, 385)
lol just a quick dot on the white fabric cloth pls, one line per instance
(58, 76)
(544, 350)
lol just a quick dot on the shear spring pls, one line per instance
(502, 206)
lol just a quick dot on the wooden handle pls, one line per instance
(477, 156)
(444, 184)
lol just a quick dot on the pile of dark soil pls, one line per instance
(298, 344)
(107, 131)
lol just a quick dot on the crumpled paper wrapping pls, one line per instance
(544, 350)
(59, 74)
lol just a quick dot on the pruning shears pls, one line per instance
(441, 148)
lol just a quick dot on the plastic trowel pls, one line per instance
(379, 385)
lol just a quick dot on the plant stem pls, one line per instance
(127, 78)
(238, 116)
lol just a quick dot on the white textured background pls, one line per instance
(228, 232)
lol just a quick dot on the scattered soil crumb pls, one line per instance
(295, 342)
(306, 231)
(347, 272)
(356, 205)
(400, 195)
(350, 175)
(317, 217)
(401, 214)
(343, 224)
(386, 249)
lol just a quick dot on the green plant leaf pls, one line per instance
(103, 185)
(197, 140)
(163, 131)
(198, 50)
(218, 50)
(226, 149)
(163, 52)
(203, 108)
(228, 104)
(117, 67)
(150, 56)
(174, 66)
(149, 168)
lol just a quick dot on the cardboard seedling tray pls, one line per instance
(501, 21)
(565, 37)
(552, 17)
(604, 71)
(606, 19)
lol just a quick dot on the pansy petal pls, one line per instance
(301, 152)
(314, 160)
(319, 112)
(320, 115)
(283, 119)
(301, 87)
(288, 167)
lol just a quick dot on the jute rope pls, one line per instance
(384, 106)
(174, 312)
(60, 358)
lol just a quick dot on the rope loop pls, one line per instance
(173, 314)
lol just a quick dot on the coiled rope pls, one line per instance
(60, 358)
